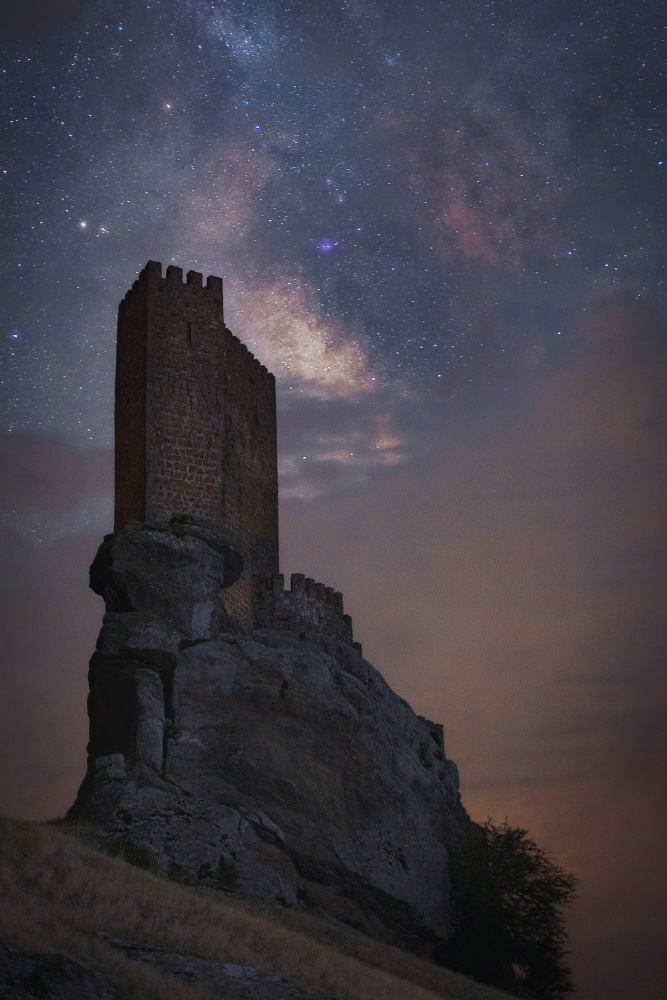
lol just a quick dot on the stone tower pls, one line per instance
(195, 421)
(237, 736)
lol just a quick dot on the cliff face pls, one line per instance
(269, 763)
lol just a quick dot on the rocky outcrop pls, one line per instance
(271, 764)
(49, 977)
(223, 979)
(169, 573)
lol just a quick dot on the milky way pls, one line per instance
(421, 198)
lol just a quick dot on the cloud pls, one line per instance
(331, 445)
(94, 515)
(55, 505)
(50, 622)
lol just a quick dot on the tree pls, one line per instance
(508, 897)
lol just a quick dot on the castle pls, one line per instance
(238, 738)
(195, 428)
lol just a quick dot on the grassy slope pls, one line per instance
(55, 893)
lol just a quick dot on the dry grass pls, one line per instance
(56, 893)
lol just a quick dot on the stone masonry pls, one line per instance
(195, 420)
(308, 606)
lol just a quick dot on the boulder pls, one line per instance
(49, 977)
(168, 577)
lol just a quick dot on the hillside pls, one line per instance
(58, 895)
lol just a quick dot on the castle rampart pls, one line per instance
(307, 607)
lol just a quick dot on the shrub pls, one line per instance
(226, 876)
(508, 897)
(135, 854)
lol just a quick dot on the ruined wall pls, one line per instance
(195, 420)
(307, 607)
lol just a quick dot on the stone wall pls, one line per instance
(250, 461)
(307, 607)
(195, 420)
(185, 402)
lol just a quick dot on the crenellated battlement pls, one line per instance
(307, 607)
(152, 274)
(189, 294)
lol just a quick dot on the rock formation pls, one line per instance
(221, 979)
(270, 763)
(49, 977)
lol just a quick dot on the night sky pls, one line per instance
(442, 226)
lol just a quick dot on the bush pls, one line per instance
(227, 875)
(508, 897)
(133, 853)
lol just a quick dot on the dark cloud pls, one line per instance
(51, 488)
(50, 622)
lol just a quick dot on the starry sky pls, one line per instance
(442, 226)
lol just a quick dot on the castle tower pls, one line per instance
(195, 421)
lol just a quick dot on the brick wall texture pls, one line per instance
(195, 420)
(307, 607)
